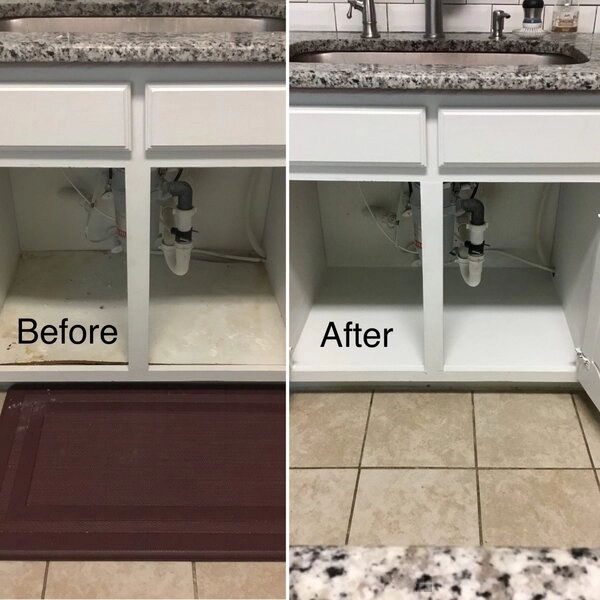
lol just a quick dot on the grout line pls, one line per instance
(43, 595)
(195, 580)
(362, 449)
(426, 468)
(587, 446)
(479, 516)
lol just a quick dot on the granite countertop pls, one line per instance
(572, 77)
(264, 47)
(419, 573)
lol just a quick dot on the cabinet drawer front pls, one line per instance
(63, 116)
(519, 137)
(215, 115)
(358, 135)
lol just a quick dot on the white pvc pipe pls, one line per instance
(471, 269)
(178, 257)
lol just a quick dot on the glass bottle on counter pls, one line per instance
(565, 16)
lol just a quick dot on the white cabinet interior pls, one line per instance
(520, 324)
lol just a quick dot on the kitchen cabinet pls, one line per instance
(224, 125)
(536, 160)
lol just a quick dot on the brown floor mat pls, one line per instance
(145, 473)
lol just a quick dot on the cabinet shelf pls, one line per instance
(374, 298)
(219, 313)
(85, 286)
(513, 321)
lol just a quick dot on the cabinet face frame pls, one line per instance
(434, 175)
(138, 162)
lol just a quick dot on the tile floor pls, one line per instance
(172, 580)
(445, 468)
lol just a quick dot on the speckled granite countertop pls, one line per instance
(266, 47)
(419, 573)
(572, 77)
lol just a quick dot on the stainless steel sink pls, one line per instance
(463, 59)
(142, 24)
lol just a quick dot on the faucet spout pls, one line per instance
(369, 18)
(434, 27)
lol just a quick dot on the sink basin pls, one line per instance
(141, 24)
(463, 59)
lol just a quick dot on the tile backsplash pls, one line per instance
(409, 15)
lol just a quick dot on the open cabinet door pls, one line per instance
(588, 365)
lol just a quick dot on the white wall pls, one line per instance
(406, 15)
(274, 240)
(307, 253)
(46, 221)
(352, 238)
(9, 245)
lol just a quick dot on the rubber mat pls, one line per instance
(144, 473)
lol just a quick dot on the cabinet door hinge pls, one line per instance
(583, 358)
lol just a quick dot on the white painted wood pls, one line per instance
(217, 314)
(274, 239)
(589, 375)
(519, 137)
(513, 321)
(86, 287)
(65, 115)
(307, 254)
(215, 115)
(374, 298)
(9, 239)
(357, 135)
(433, 276)
(576, 241)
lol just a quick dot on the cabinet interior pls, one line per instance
(56, 262)
(220, 312)
(519, 319)
(225, 311)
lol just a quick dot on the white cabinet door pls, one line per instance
(195, 116)
(383, 136)
(518, 137)
(57, 115)
(588, 367)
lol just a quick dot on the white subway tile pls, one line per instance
(355, 23)
(519, 2)
(448, 1)
(311, 17)
(467, 18)
(406, 17)
(587, 18)
(407, 1)
(516, 16)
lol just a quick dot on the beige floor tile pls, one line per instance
(528, 430)
(120, 580)
(241, 580)
(327, 430)
(416, 506)
(539, 508)
(21, 579)
(320, 503)
(420, 430)
(590, 420)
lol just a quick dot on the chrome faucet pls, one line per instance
(369, 19)
(434, 27)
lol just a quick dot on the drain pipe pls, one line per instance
(470, 256)
(178, 254)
